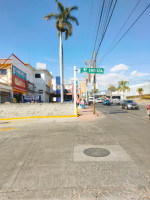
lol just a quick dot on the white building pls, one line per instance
(133, 89)
(43, 84)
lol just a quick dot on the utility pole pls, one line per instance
(94, 83)
(88, 79)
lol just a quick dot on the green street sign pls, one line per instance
(92, 70)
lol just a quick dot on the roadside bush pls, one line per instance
(146, 97)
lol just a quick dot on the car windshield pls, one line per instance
(130, 101)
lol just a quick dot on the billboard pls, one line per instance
(19, 79)
(82, 87)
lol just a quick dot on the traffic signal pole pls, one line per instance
(94, 84)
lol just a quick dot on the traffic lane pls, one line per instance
(130, 131)
(116, 109)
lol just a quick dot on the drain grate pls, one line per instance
(96, 152)
(4, 122)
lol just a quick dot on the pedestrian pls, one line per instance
(148, 111)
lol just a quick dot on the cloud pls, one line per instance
(138, 74)
(120, 67)
(51, 59)
(106, 80)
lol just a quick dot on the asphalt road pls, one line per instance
(43, 159)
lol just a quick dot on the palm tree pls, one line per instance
(122, 86)
(140, 91)
(63, 25)
(111, 89)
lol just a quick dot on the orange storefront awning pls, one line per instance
(19, 91)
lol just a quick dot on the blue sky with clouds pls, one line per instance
(25, 33)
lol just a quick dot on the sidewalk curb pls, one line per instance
(35, 117)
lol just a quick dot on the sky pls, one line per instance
(25, 33)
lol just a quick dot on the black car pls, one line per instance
(129, 104)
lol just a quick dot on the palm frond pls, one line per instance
(60, 6)
(57, 25)
(66, 34)
(127, 88)
(74, 8)
(74, 19)
(50, 16)
(68, 30)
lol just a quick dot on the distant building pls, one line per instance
(133, 89)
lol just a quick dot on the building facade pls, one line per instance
(43, 84)
(6, 94)
(134, 89)
(20, 81)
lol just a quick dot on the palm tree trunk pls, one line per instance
(61, 69)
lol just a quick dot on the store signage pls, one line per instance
(19, 79)
(32, 99)
(19, 73)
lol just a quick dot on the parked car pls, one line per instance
(67, 101)
(99, 100)
(106, 102)
(90, 100)
(129, 104)
(116, 101)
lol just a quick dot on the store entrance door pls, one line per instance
(18, 97)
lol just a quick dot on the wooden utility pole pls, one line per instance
(94, 83)
(88, 78)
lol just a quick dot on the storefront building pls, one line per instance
(23, 83)
(6, 94)
(19, 79)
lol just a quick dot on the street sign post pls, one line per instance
(92, 70)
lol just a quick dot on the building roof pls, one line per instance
(5, 61)
(45, 71)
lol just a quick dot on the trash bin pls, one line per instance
(82, 104)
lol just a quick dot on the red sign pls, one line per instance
(19, 83)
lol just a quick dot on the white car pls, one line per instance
(99, 100)
(116, 101)
(90, 100)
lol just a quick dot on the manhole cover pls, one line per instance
(96, 152)
(4, 122)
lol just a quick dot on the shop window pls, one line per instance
(40, 91)
(3, 71)
(37, 75)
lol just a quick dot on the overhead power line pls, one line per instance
(106, 27)
(124, 24)
(126, 32)
(101, 13)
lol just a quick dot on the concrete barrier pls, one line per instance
(36, 109)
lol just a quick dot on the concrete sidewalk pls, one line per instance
(86, 114)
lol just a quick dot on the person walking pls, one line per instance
(148, 111)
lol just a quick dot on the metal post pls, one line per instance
(75, 97)
(94, 81)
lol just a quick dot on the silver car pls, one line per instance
(129, 104)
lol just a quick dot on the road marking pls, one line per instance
(7, 129)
